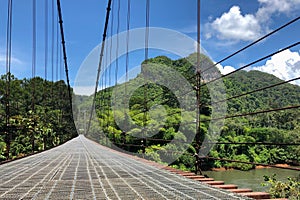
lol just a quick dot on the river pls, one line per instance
(251, 179)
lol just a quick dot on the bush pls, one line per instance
(240, 166)
(279, 189)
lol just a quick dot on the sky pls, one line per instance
(226, 26)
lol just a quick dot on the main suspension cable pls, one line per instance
(8, 133)
(252, 63)
(255, 42)
(254, 113)
(100, 62)
(257, 90)
(65, 56)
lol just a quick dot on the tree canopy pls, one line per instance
(40, 116)
(157, 107)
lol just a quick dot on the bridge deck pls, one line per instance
(82, 169)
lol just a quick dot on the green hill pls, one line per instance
(164, 123)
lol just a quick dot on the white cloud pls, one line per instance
(233, 25)
(226, 69)
(269, 7)
(285, 65)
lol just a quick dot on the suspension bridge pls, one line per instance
(82, 169)
(46, 155)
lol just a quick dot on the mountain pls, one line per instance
(275, 97)
(156, 114)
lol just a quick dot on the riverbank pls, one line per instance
(250, 179)
(283, 166)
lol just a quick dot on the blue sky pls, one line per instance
(226, 26)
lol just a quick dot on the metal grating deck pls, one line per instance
(82, 169)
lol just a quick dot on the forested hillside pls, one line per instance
(39, 116)
(271, 127)
(280, 127)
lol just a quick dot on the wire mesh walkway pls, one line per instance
(82, 169)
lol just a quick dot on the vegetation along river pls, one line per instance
(252, 178)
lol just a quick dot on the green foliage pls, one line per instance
(166, 119)
(36, 122)
(152, 154)
(279, 189)
(238, 165)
